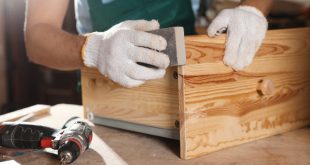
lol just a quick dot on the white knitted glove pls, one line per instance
(115, 52)
(246, 28)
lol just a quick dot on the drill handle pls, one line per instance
(24, 135)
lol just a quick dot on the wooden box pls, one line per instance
(207, 105)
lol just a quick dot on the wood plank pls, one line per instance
(220, 108)
(287, 48)
(153, 104)
(34, 111)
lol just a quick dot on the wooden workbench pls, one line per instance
(292, 148)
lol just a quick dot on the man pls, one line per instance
(117, 46)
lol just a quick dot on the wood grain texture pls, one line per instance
(220, 108)
(153, 104)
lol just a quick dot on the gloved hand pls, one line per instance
(115, 52)
(246, 28)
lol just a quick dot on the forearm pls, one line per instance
(263, 5)
(52, 47)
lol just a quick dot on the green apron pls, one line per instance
(168, 12)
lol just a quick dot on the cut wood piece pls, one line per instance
(220, 108)
(35, 110)
(153, 104)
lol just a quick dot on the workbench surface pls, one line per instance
(121, 147)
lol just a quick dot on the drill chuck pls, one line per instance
(68, 152)
(72, 141)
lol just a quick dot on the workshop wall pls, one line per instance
(22, 82)
(284, 13)
(2, 59)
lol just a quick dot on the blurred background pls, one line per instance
(23, 83)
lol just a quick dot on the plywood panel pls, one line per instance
(220, 108)
(153, 104)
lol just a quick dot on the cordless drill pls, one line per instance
(70, 141)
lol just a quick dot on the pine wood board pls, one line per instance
(33, 111)
(287, 48)
(153, 104)
(220, 108)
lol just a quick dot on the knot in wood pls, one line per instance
(265, 87)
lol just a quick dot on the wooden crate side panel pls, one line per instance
(220, 108)
(282, 51)
(232, 113)
(153, 104)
